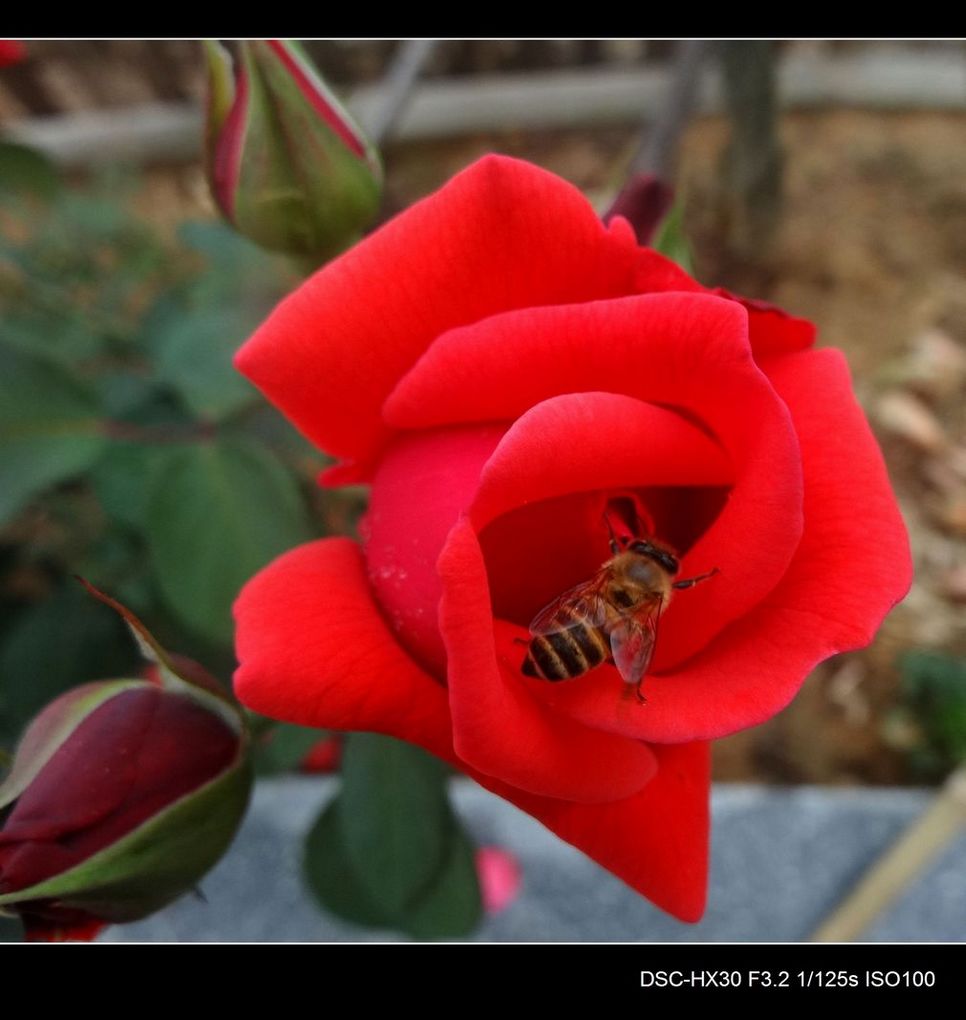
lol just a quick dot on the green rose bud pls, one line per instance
(286, 165)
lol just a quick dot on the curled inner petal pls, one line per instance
(499, 728)
(688, 353)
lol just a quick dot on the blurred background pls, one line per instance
(827, 177)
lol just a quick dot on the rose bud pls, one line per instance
(12, 51)
(323, 757)
(286, 165)
(644, 202)
(121, 796)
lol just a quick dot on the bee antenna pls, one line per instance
(614, 547)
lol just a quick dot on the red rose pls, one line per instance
(501, 368)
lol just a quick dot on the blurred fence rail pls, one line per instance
(62, 77)
(84, 102)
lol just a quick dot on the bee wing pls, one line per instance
(583, 601)
(632, 641)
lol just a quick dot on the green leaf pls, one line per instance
(227, 253)
(453, 906)
(130, 397)
(237, 273)
(283, 746)
(934, 688)
(39, 333)
(450, 907)
(670, 239)
(49, 429)
(53, 646)
(23, 169)
(395, 818)
(216, 513)
(331, 877)
(195, 358)
(121, 478)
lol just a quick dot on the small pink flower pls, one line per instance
(500, 877)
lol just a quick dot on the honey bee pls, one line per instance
(612, 617)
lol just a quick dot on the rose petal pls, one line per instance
(611, 441)
(686, 351)
(423, 485)
(498, 727)
(314, 650)
(489, 241)
(771, 329)
(427, 480)
(852, 565)
(549, 478)
(657, 840)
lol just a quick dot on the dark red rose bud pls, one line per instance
(122, 795)
(12, 51)
(644, 202)
(323, 757)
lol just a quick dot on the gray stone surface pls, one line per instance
(781, 859)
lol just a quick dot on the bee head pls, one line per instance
(653, 552)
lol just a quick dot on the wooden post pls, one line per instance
(752, 169)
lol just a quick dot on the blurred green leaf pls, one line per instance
(237, 270)
(453, 906)
(282, 748)
(23, 169)
(121, 479)
(49, 429)
(194, 355)
(217, 512)
(934, 690)
(37, 333)
(117, 558)
(395, 818)
(53, 646)
(222, 247)
(125, 395)
(450, 907)
(670, 239)
(265, 423)
(76, 276)
(331, 877)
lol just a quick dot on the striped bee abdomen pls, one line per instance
(565, 653)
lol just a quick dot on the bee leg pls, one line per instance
(690, 582)
(614, 548)
(633, 691)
